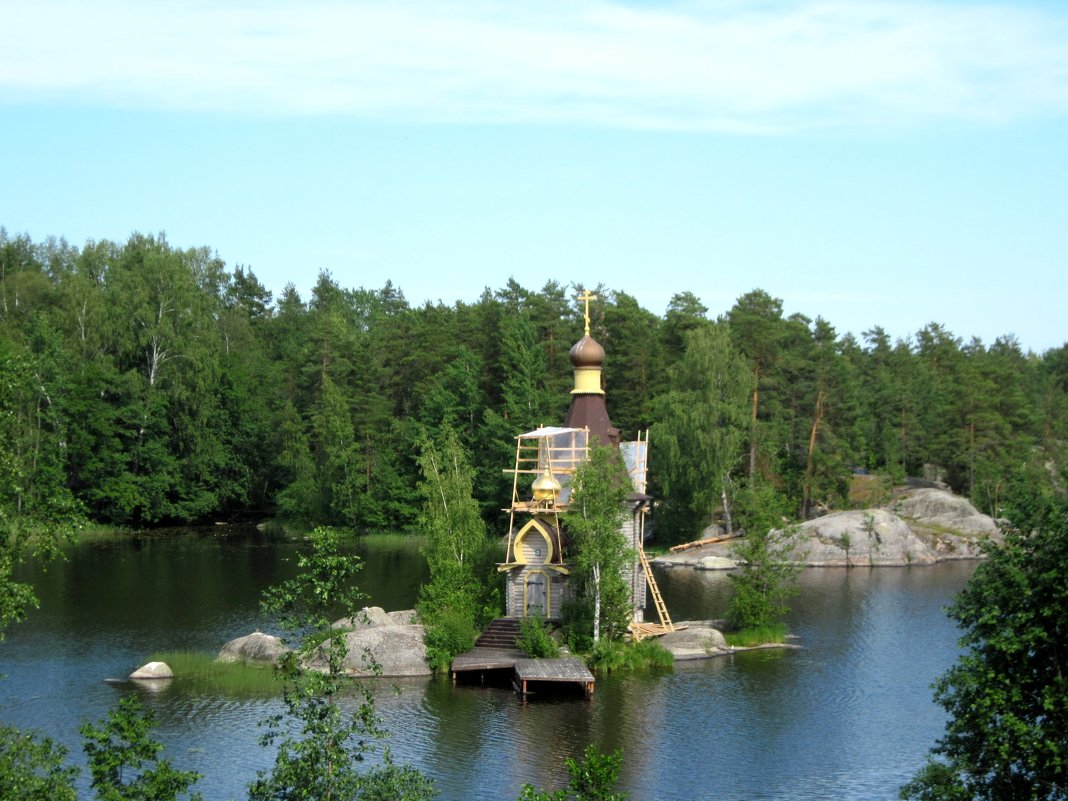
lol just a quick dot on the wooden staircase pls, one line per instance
(501, 633)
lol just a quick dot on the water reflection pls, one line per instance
(848, 715)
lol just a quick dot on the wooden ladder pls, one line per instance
(658, 600)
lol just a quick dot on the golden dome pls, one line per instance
(546, 488)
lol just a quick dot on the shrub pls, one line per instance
(448, 632)
(536, 640)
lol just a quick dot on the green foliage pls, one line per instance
(767, 580)
(32, 769)
(147, 384)
(457, 598)
(449, 631)
(613, 656)
(576, 624)
(700, 428)
(536, 639)
(761, 635)
(596, 509)
(590, 779)
(322, 745)
(1007, 696)
(124, 761)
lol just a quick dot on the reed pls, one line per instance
(758, 635)
(608, 657)
(201, 672)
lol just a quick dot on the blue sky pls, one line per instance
(875, 163)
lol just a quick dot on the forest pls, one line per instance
(145, 385)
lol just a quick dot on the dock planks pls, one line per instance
(566, 669)
(562, 669)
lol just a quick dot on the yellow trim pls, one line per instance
(587, 381)
(539, 527)
(548, 591)
(507, 566)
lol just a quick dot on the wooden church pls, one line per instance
(536, 561)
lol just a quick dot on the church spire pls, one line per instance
(587, 398)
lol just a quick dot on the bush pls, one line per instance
(576, 625)
(448, 632)
(536, 640)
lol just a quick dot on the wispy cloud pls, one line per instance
(717, 65)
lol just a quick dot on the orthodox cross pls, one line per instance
(587, 297)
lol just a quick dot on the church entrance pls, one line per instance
(536, 595)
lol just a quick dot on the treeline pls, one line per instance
(142, 384)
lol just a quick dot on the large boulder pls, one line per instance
(254, 647)
(699, 640)
(153, 670)
(397, 650)
(874, 537)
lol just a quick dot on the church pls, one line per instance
(536, 566)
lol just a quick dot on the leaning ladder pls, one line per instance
(642, 630)
(658, 600)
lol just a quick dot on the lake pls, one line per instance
(848, 715)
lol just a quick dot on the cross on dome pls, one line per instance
(587, 297)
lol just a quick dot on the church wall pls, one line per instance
(633, 573)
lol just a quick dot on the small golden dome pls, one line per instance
(587, 352)
(546, 488)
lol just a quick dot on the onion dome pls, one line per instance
(587, 352)
(546, 487)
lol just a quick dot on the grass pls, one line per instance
(203, 673)
(608, 657)
(759, 635)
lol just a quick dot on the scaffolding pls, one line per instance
(556, 452)
(551, 451)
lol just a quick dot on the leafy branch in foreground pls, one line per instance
(590, 779)
(124, 761)
(1007, 696)
(32, 769)
(320, 761)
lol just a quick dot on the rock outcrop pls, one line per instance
(920, 527)
(396, 650)
(389, 640)
(255, 647)
(950, 524)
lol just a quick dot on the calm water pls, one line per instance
(848, 716)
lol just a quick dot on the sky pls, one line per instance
(872, 163)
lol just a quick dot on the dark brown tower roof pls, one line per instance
(589, 411)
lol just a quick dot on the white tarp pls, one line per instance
(635, 456)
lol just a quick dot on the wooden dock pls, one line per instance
(567, 669)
